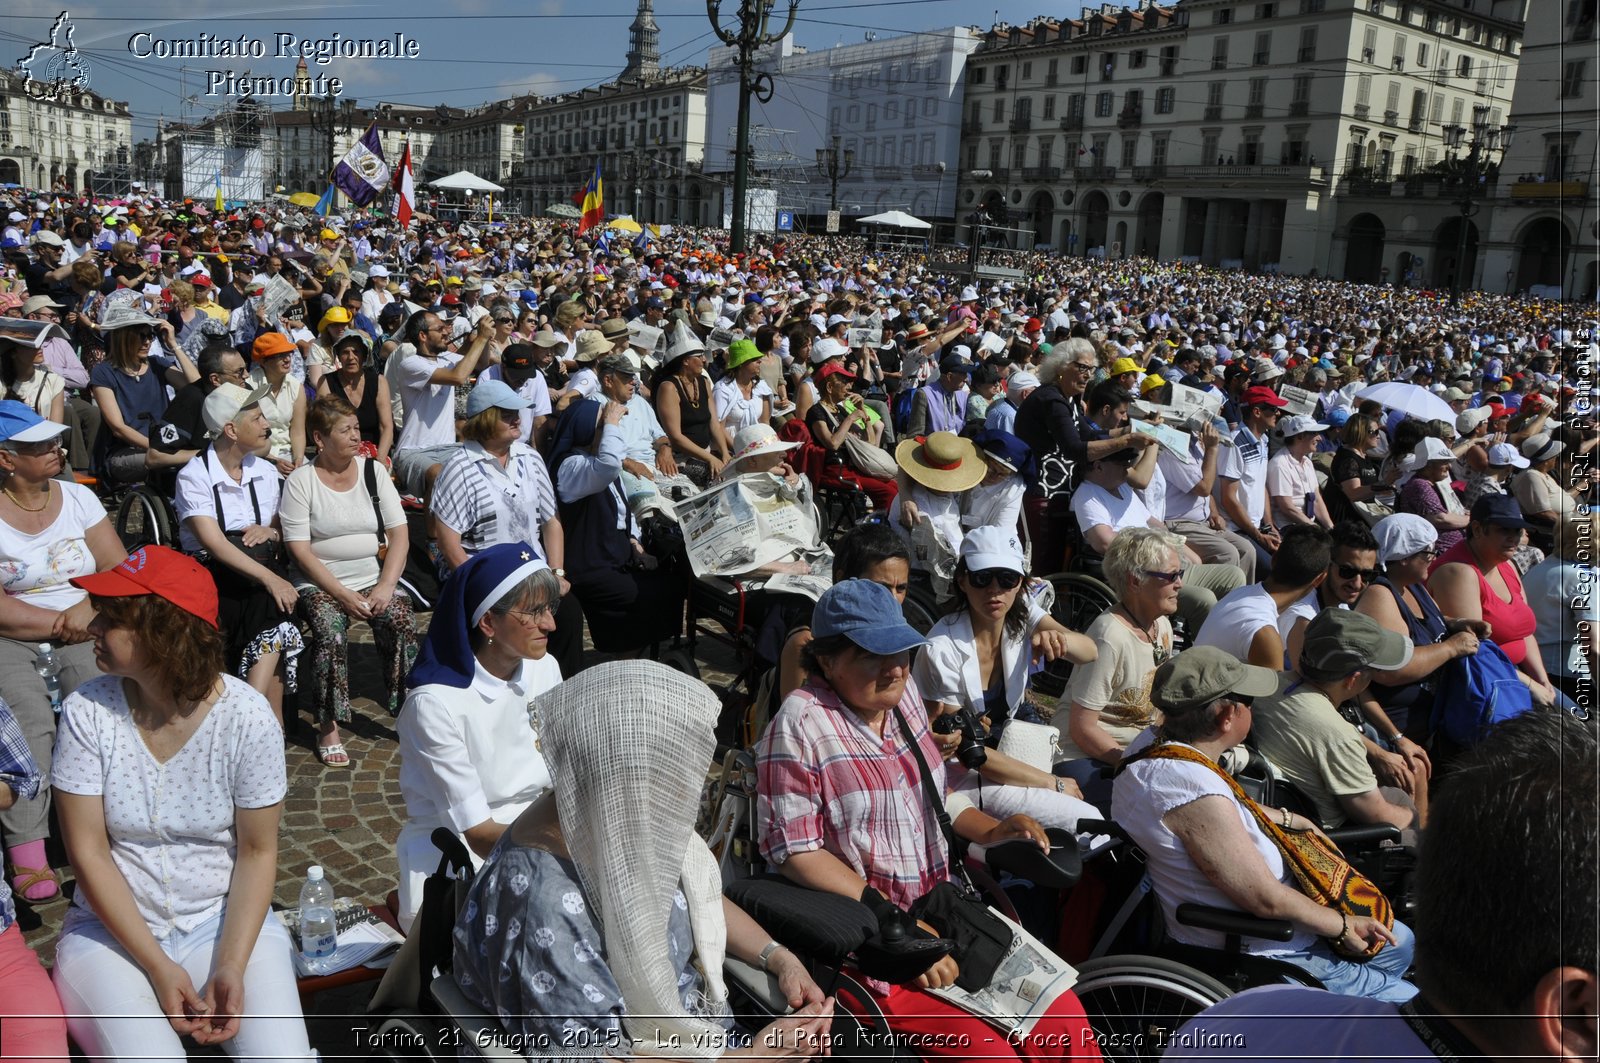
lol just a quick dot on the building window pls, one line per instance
(1214, 93)
(1169, 61)
(1211, 147)
(977, 75)
(1049, 107)
(1258, 92)
(1302, 89)
(999, 111)
(1464, 67)
(1308, 45)
(1002, 77)
(1136, 58)
(1050, 71)
(1422, 55)
(1572, 79)
(1103, 104)
(1027, 71)
(1130, 150)
(1311, 7)
(994, 154)
(1080, 63)
(1219, 53)
(1164, 100)
(1250, 149)
(1267, 10)
(1108, 65)
(1075, 106)
(1263, 52)
(1158, 150)
(1369, 45)
(1019, 155)
(1046, 147)
(1222, 16)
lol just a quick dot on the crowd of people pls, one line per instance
(351, 422)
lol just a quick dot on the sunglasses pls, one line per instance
(1351, 572)
(1163, 577)
(1005, 578)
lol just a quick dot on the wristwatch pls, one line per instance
(766, 953)
(561, 573)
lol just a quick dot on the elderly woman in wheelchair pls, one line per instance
(597, 927)
(842, 771)
(1208, 844)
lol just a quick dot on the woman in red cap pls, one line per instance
(169, 780)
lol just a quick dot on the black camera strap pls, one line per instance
(958, 847)
(1448, 1044)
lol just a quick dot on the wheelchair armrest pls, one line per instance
(1061, 867)
(1228, 921)
(824, 926)
(1365, 836)
(760, 985)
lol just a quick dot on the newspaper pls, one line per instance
(1175, 441)
(279, 296)
(27, 333)
(645, 336)
(863, 337)
(932, 549)
(364, 939)
(813, 583)
(1027, 982)
(1300, 400)
(1191, 400)
(740, 525)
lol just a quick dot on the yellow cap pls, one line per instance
(336, 315)
(329, 234)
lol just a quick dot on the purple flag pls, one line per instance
(362, 173)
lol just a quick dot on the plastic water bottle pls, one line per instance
(48, 665)
(319, 936)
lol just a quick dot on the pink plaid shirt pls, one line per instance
(826, 780)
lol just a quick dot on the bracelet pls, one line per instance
(1344, 928)
(1284, 812)
(1060, 784)
(766, 954)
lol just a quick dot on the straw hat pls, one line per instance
(942, 461)
(757, 439)
(592, 344)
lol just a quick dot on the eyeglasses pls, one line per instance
(1430, 553)
(1163, 577)
(36, 450)
(505, 321)
(1004, 577)
(1351, 572)
(532, 616)
(234, 374)
(1084, 367)
(143, 335)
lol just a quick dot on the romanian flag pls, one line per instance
(406, 188)
(594, 203)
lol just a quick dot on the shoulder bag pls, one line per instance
(1318, 867)
(953, 907)
(867, 459)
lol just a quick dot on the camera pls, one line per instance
(970, 752)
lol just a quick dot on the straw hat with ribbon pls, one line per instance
(942, 461)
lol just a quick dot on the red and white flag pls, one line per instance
(405, 187)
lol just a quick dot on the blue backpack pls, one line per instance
(1477, 692)
(900, 412)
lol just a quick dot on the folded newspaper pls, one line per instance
(744, 523)
(364, 939)
(1027, 982)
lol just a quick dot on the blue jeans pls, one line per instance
(1380, 978)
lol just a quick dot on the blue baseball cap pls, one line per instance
(494, 394)
(867, 614)
(20, 424)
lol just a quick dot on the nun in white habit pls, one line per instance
(598, 921)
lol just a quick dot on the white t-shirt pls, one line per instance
(1094, 505)
(1234, 621)
(1179, 502)
(1147, 790)
(171, 825)
(430, 419)
(339, 525)
(1294, 478)
(35, 568)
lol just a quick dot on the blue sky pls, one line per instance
(471, 50)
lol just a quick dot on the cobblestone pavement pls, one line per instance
(345, 819)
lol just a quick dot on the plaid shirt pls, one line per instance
(18, 771)
(826, 780)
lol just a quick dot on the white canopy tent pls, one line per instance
(466, 181)
(898, 219)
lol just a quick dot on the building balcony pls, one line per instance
(1041, 173)
(1072, 122)
(1130, 119)
(1254, 110)
(1021, 123)
(1525, 190)
(889, 173)
(1361, 111)
(1283, 174)
(971, 126)
(1095, 173)
(1299, 108)
(1391, 118)
(1213, 113)
(1152, 172)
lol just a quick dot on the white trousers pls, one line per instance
(1048, 807)
(112, 1011)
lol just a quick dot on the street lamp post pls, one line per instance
(1486, 140)
(835, 166)
(752, 33)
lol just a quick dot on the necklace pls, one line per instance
(18, 502)
(694, 403)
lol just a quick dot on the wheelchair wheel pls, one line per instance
(681, 659)
(919, 608)
(1079, 599)
(1135, 1004)
(143, 520)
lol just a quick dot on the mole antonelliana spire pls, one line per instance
(644, 45)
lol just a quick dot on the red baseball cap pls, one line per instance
(1262, 396)
(834, 369)
(162, 571)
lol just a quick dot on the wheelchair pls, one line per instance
(1081, 595)
(144, 517)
